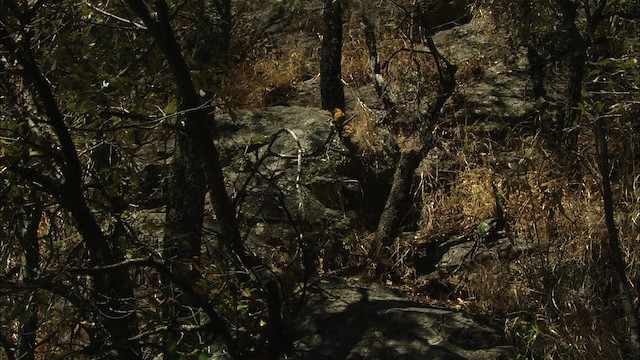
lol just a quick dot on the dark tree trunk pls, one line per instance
(185, 203)
(566, 131)
(213, 33)
(397, 205)
(197, 127)
(617, 258)
(112, 290)
(27, 234)
(534, 57)
(536, 71)
(381, 86)
(331, 88)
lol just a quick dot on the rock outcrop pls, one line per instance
(367, 321)
(432, 16)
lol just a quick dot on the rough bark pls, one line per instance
(400, 196)
(617, 258)
(197, 127)
(27, 234)
(185, 203)
(112, 290)
(331, 89)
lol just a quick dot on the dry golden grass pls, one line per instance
(356, 69)
(362, 130)
(559, 297)
(267, 70)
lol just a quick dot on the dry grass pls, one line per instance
(362, 130)
(269, 70)
(558, 298)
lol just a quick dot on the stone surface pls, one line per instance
(367, 321)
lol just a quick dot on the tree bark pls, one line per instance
(400, 196)
(197, 128)
(331, 89)
(566, 132)
(112, 291)
(617, 258)
(27, 234)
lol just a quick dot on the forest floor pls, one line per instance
(552, 297)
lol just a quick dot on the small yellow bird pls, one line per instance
(338, 116)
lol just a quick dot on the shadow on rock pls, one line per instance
(370, 322)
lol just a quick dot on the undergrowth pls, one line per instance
(557, 295)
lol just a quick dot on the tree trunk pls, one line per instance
(566, 131)
(197, 127)
(378, 80)
(536, 71)
(27, 234)
(331, 89)
(213, 33)
(399, 198)
(617, 258)
(185, 203)
(397, 205)
(111, 290)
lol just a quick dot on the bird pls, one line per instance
(489, 229)
(338, 116)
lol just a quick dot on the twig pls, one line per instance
(116, 17)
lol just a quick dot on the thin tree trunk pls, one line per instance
(617, 257)
(28, 237)
(112, 290)
(331, 88)
(399, 198)
(567, 131)
(379, 82)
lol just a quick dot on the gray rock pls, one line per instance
(358, 321)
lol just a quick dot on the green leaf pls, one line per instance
(171, 108)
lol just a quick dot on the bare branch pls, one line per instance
(116, 17)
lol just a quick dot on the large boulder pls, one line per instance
(432, 16)
(289, 172)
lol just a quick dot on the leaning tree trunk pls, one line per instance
(331, 89)
(617, 258)
(400, 196)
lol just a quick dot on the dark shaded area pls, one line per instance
(331, 88)
(371, 323)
